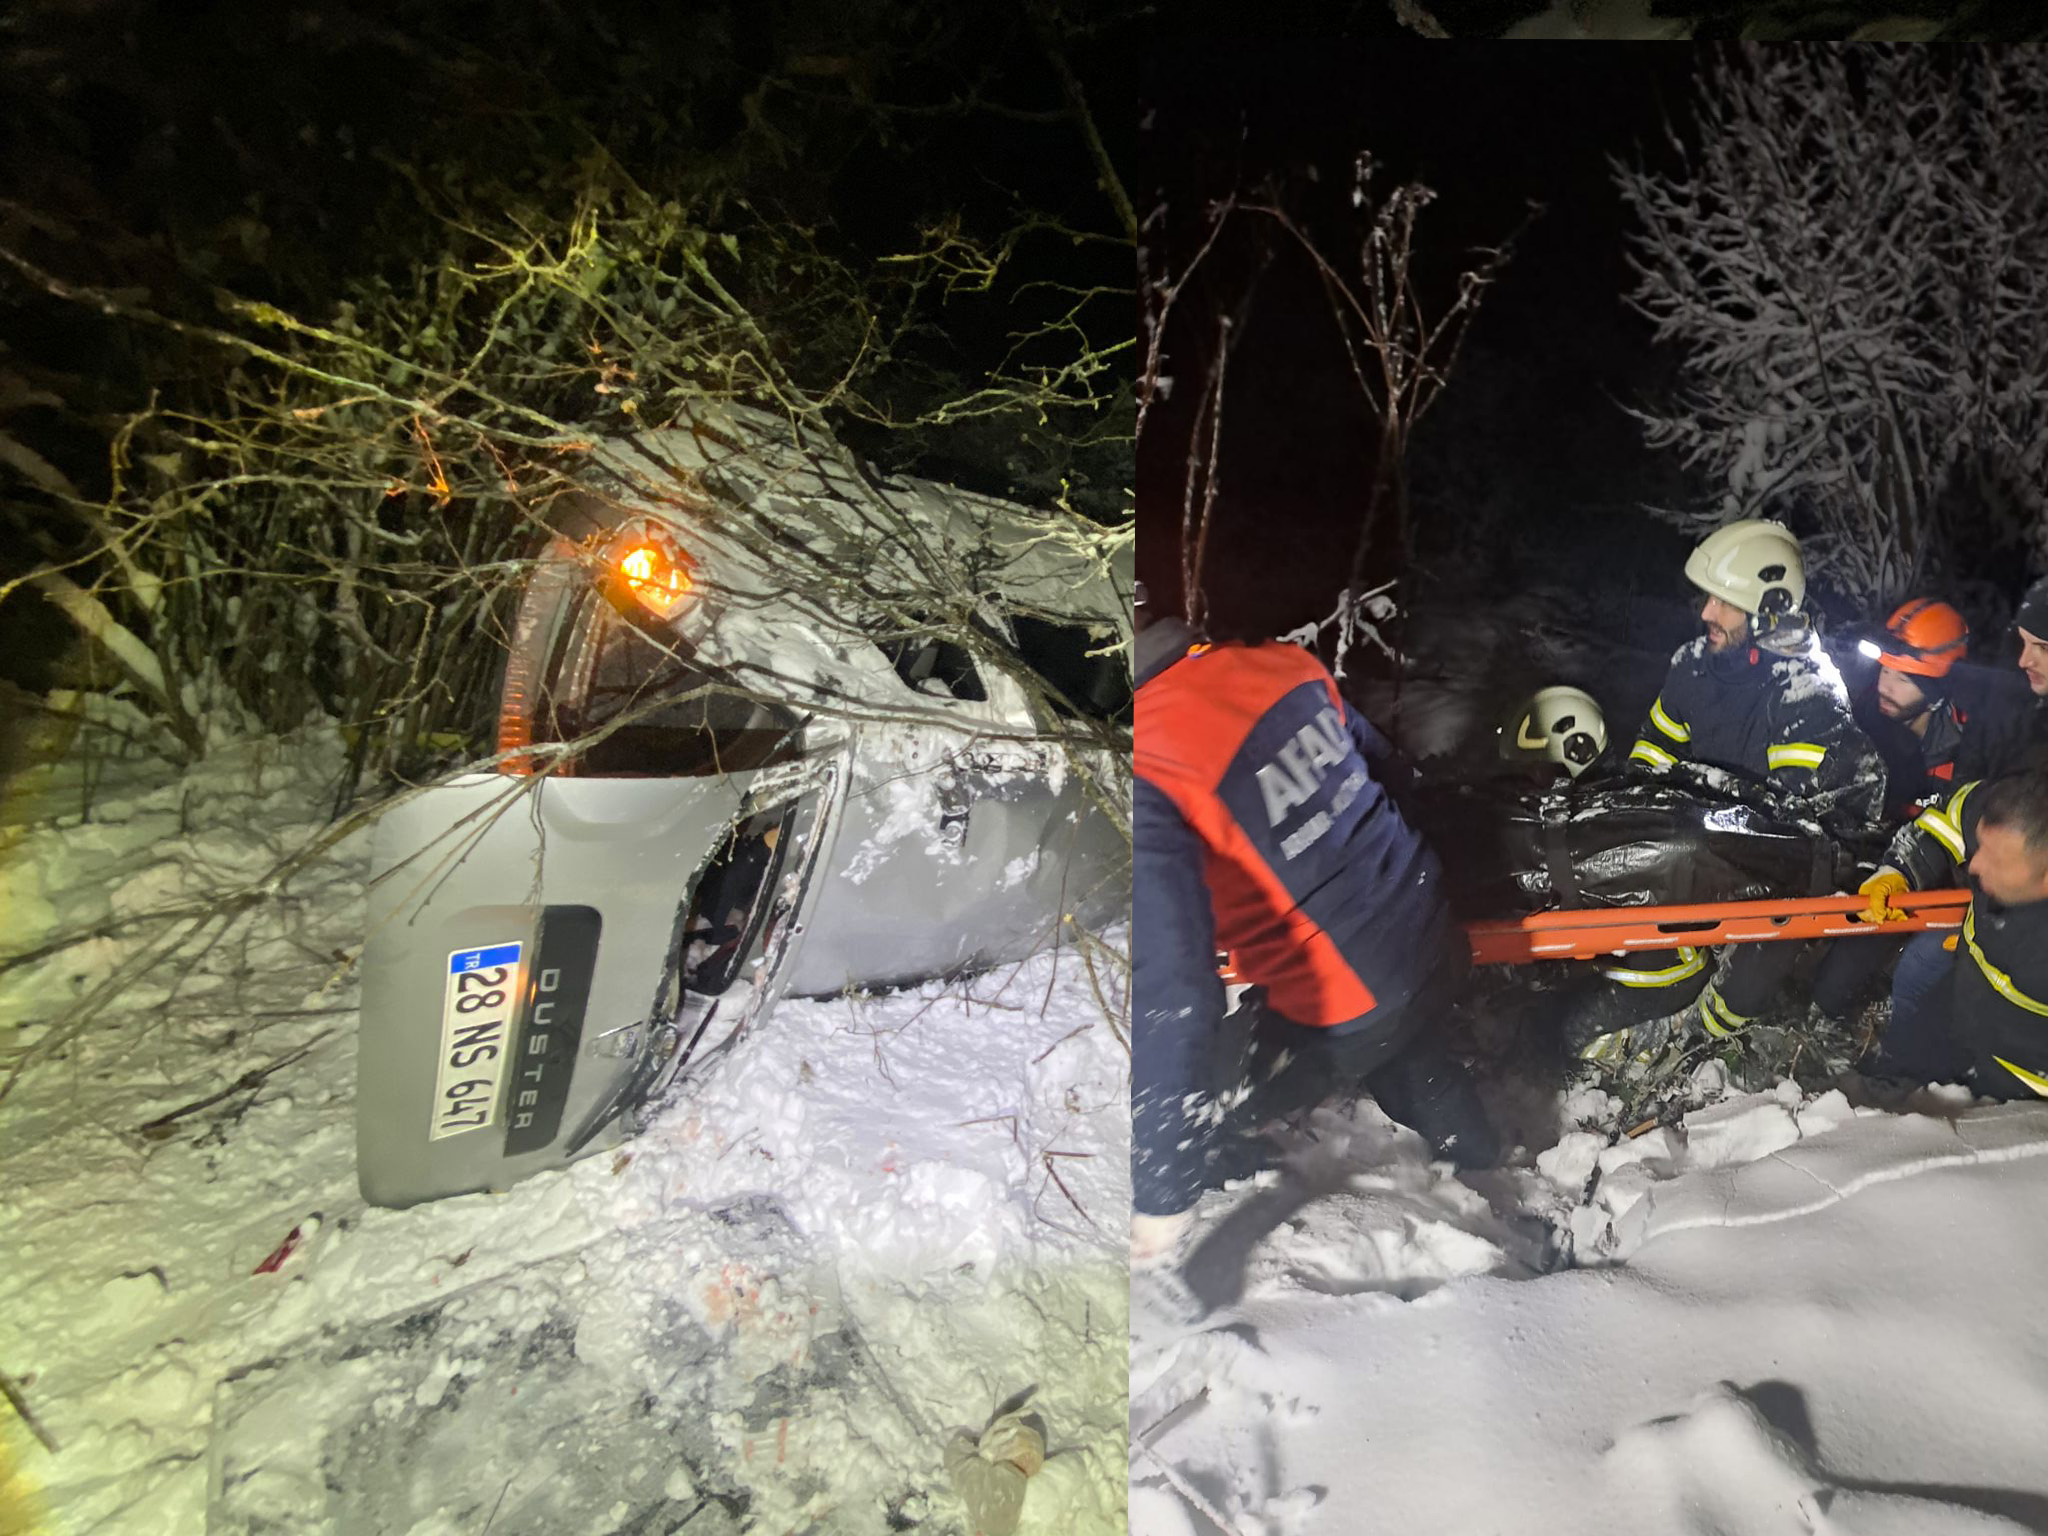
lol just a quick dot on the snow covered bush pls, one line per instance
(295, 466)
(1853, 255)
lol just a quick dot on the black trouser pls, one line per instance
(1852, 971)
(1395, 1054)
(1653, 984)
(1920, 1040)
(1632, 989)
(1756, 974)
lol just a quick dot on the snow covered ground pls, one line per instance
(879, 1220)
(1792, 1316)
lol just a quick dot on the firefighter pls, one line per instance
(1264, 827)
(1942, 721)
(1468, 803)
(1756, 694)
(1974, 1005)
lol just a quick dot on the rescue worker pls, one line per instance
(1554, 727)
(2032, 624)
(1264, 827)
(1756, 694)
(1975, 1005)
(1940, 721)
(1943, 721)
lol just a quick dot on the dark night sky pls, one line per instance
(1489, 129)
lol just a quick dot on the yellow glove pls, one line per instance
(1878, 890)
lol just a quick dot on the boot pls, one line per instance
(1603, 1024)
(1238, 1153)
(1428, 1091)
(1642, 1046)
(1647, 1047)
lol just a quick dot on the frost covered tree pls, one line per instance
(1852, 253)
(1762, 21)
(279, 446)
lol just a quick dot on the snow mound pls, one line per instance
(1791, 1315)
(1721, 1466)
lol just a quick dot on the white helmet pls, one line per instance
(1753, 564)
(1563, 725)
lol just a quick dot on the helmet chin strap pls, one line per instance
(1782, 634)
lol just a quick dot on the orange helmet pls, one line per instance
(1925, 638)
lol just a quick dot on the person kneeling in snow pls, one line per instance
(1974, 1005)
(1942, 720)
(1263, 827)
(1938, 720)
(1755, 695)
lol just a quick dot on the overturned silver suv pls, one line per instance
(769, 726)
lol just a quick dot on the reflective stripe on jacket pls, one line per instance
(1784, 719)
(1999, 1001)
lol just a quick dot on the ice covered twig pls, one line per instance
(1356, 618)
(11, 1390)
(1180, 1485)
(255, 1077)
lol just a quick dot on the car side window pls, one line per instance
(1079, 683)
(931, 664)
(650, 708)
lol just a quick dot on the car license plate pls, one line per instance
(476, 1028)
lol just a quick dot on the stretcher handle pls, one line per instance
(1584, 933)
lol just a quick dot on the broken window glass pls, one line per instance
(1078, 683)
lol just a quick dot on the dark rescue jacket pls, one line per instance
(1978, 731)
(2033, 748)
(1781, 719)
(1999, 1005)
(1261, 828)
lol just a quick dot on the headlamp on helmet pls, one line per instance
(1923, 638)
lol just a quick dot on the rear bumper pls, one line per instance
(588, 876)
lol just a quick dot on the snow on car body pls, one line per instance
(788, 775)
